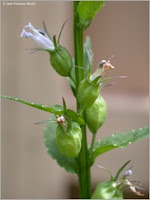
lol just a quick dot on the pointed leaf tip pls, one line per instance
(56, 109)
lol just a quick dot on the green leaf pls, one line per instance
(88, 55)
(121, 140)
(69, 164)
(74, 117)
(87, 11)
(56, 109)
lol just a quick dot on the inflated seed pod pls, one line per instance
(69, 141)
(61, 60)
(87, 93)
(107, 190)
(96, 114)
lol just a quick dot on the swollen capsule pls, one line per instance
(88, 92)
(107, 190)
(96, 114)
(61, 60)
(69, 141)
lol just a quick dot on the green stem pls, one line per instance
(84, 174)
(83, 158)
(78, 47)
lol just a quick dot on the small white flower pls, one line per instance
(39, 36)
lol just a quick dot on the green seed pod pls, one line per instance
(61, 60)
(88, 92)
(69, 142)
(107, 190)
(96, 114)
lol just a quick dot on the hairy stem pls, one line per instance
(83, 158)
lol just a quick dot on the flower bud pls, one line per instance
(88, 92)
(107, 190)
(61, 60)
(96, 114)
(69, 141)
(127, 173)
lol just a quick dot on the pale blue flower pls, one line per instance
(39, 36)
(127, 173)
